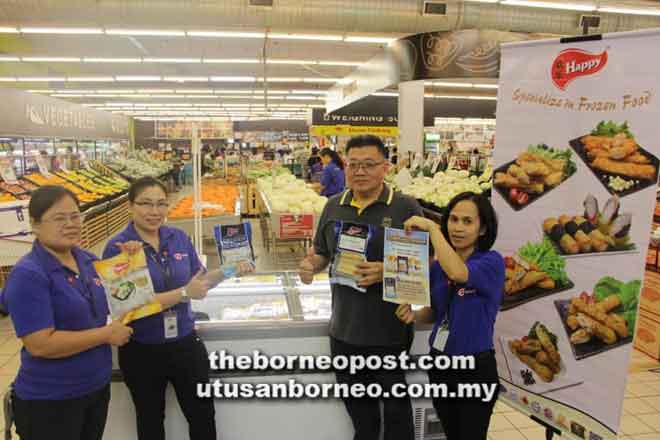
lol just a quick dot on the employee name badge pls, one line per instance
(441, 336)
(171, 325)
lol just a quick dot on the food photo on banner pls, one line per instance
(576, 170)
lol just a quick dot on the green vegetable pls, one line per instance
(532, 333)
(627, 292)
(611, 129)
(554, 154)
(545, 256)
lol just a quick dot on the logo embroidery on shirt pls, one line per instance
(463, 291)
(179, 256)
(97, 281)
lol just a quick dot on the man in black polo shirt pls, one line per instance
(362, 323)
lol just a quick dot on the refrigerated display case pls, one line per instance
(295, 323)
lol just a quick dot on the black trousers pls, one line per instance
(464, 419)
(148, 368)
(365, 413)
(81, 418)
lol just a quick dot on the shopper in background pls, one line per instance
(394, 158)
(314, 163)
(59, 310)
(333, 180)
(165, 347)
(362, 324)
(467, 284)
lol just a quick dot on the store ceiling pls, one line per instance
(185, 74)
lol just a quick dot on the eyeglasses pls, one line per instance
(161, 206)
(368, 166)
(63, 219)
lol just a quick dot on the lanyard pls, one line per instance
(162, 261)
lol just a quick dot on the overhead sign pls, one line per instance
(31, 114)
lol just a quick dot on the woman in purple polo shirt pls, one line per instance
(165, 347)
(59, 310)
(333, 180)
(467, 284)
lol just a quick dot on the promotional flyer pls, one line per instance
(406, 267)
(575, 188)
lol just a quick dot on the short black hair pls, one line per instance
(487, 218)
(143, 183)
(43, 198)
(367, 140)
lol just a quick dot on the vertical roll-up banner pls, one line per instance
(575, 189)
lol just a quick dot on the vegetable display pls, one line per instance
(286, 194)
(216, 200)
(443, 186)
(139, 164)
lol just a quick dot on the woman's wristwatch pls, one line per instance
(184, 295)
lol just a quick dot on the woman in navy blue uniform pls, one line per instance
(165, 347)
(59, 310)
(467, 285)
(333, 179)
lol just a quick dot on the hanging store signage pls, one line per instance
(31, 114)
(184, 129)
(473, 53)
(575, 188)
(380, 112)
(349, 130)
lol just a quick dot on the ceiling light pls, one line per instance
(629, 11)
(280, 79)
(302, 98)
(73, 91)
(389, 94)
(154, 91)
(8, 30)
(231, 61)
(91, 79)
(550, 5)
(106, 95)
(138, 78)
(41, 78)
(377, 40)
(111, 60)
(115, 91)
(146, 32)
(451, 84)
(169, 96)
(40, 91)
(70, 31)
(135, 96)
(66, 95)
(314, 37)
(321, 80)
(173, 60)
(275, 92)
(182, 79)
(202, 96)
(309, 92)
(51, 59)
(340, 63)
(193, 91)
(482, 1)
(233, 78)
(485, 86)
(484, 98)
(225, 34)
(5, 59)
(271, 61)
(7, 79)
